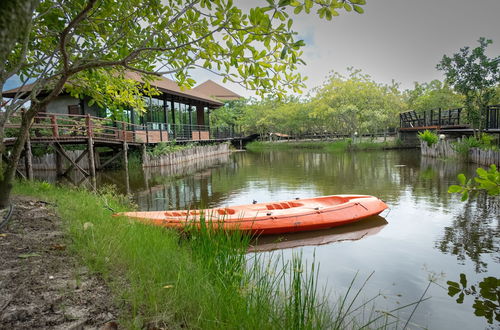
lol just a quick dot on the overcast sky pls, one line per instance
(394, 39)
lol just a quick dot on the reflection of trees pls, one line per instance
(486, 296)
(474, 232)
(429, 178)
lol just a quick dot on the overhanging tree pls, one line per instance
(93, 42)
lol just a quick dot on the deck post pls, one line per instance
(91, 157)
(125, 166)
(144, 155)
(59, 164)
(90, 146)
(28, 159)
(55, 128)
(173, 118)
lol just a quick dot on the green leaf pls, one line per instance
(358, 9)
(454, 189)
(481, 172)
(465, 196)
(463, 280)
(453, 288)
(461, 178)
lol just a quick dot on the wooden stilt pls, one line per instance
(125, 166)
(144, 155)
(28, 158)
(91, 156)
(59, 162)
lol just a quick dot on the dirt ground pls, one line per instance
(41, 284)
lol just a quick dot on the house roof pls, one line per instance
(217, 91)
(21, 89)
(170, 87)
(163, 84)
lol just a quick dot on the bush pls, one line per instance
(487, 142)
(429, 137)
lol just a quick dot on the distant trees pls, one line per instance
(432, 95)
(343, 105)
(356, 104)
(476, 76)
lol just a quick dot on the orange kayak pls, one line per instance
(272, 218)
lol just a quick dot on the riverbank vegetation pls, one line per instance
(199, 279)
(328, 146)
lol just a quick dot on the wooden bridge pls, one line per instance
(448, 121)
(91, 132)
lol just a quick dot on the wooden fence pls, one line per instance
(185, 155)
(484, 157)
(48, 162)
(445, 149)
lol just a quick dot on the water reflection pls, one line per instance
(351, 232)
(475, 232)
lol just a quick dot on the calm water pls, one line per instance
(426, 234)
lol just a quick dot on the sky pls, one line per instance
(402, 40)
(394, 39)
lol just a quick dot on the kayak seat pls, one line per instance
(226, 211)
(283, 205)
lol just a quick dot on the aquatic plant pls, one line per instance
(428, 136)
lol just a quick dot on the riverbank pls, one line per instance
(159, 278)
(327, 146)
(42, 285)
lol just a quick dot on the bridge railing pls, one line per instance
(433, 117)
(448, 118)
(493, 117)
(65, 128)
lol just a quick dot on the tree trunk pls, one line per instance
(10, 168)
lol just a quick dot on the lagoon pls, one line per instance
(426, 234)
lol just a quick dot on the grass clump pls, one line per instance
(162, 278)
(464, 145)
(428, 136)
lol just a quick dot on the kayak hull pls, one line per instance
(272, 218)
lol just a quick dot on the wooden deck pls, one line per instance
(63, 128)
(91, 132)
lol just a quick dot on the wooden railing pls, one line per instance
(448, 118)
(65, 128)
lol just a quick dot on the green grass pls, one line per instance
(328, 146)
(160, 277)
(197, 279)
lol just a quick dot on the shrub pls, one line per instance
(164, 148)
(463, 146)
(429, 137)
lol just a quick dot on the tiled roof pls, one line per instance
(217, 91)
